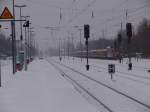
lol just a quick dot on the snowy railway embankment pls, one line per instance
(128, 92)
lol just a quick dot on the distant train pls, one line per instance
(107, 53)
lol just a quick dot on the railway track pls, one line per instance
(105, 85)
(81, 87)
(129, 74)
(123, 76)
(125, 73)
(137, 67)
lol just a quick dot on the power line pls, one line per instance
(50, 6)
(130, 11)
(82, 11)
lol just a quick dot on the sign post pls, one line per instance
(111, 70)
(13, 47)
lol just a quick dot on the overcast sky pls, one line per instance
(102, 15)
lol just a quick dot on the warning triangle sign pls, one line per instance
(6, 14)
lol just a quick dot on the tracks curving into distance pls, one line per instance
(104, 85)
(81, 87)
(126, 75)
(137, 67)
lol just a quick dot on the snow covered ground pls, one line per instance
(40, 89)
(133, 87)
(43, 88)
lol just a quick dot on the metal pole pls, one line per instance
(27, 42)
(13, 48)
(68, 47)
(80, 43)
(13, 40)
(20, 7)
(64, 49)
(0, 73)
(72, 47)
(25, 49)
(30, 45)
(14, 8)
(87, 54)
(59, 50)
(21, 36)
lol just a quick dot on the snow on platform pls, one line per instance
(40, 89)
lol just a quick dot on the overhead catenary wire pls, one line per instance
(103, 21)
(132, 10)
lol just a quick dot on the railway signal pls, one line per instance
(129, 31)
(87, 36)
(129, 34)
(26, 24)
(86, 31)
(119, 39)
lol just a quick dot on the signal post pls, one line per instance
(87, 36)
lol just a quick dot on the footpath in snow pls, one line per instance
(40, 89)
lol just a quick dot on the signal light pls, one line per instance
(21, 37)
(129, 31)
(119, 38)
(26, 24)
(86, 31)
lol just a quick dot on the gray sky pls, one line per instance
(107, 16)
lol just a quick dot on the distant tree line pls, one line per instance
(140, 42)
(141, 39)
